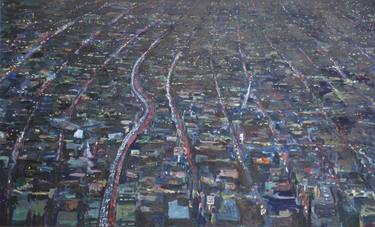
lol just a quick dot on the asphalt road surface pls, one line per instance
(276, 59)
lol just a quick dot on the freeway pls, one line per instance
(106, 62)
(47, 83)
(279, 84)
(22, 59)
(247, 73)
(335, 64)
(107, 213)
(237, 145)
(179, 123)
(181, 132)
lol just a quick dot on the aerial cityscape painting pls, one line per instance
(187, 113)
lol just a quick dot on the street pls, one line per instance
(265, 107)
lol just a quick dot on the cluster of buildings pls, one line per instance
(55, 155)
(292, 145)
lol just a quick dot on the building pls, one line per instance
(367, 216)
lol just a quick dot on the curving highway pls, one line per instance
(107, 213)
(181, 132)
(50, 79)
